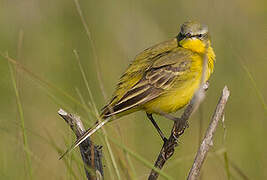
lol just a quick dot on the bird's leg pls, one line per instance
(170, 117)
(150, 117)
(173, 118)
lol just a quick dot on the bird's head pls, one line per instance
(194, 36)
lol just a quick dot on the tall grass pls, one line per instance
(255, 86)
(97, 115)
(22, 123)
(106, 137)
(120, 161)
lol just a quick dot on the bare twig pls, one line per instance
(167, 149)
(178, 128)
(90, 153)
(207, 141)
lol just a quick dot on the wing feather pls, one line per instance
(155, 81)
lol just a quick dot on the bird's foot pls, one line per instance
(165, 140)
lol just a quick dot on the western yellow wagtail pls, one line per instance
(162, 79)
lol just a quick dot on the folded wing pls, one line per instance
(158, 78)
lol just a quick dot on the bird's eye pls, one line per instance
(200, 35)
(188, 35)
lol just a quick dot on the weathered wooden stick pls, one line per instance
(90, 153)
(207, 141)
(178, 129)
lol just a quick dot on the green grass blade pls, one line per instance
(254, 84)
(227, 169)
(56, 147)
(22, 122)
(130, 163)
(85, 80)
(225, 154)
(113, 161)
(14, 140)
(259, 94)
(42, 81)
(89, 36)
(140, 158)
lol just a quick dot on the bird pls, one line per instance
(162, 79)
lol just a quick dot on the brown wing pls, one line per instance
(141, 63)
(154, 82)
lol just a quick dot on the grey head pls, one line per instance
(193, 29)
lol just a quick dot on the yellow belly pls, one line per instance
(174, 99)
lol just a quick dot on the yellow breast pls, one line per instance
(184, 88)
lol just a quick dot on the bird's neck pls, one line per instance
(200, 47)
(194, 45)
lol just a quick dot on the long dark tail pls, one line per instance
(87, 134)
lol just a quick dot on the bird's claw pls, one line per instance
(165, 140)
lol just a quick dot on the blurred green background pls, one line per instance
(41, 35)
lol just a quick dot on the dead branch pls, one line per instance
(178, 129)
(167, 149)
(207, 141)
(91, 154)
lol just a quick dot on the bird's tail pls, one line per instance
(87, 134)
